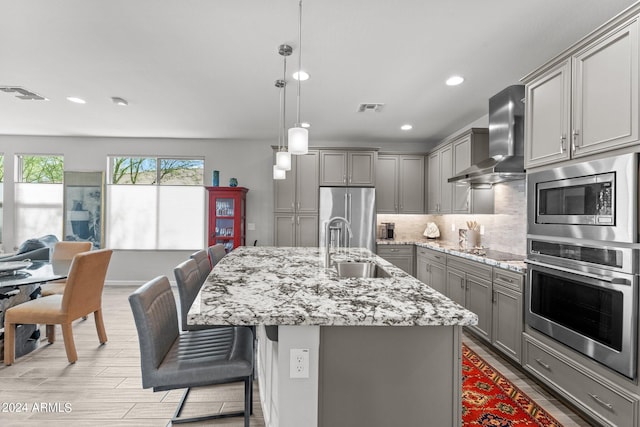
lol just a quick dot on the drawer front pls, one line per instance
(385, 250)
(508, 278)
(585, 389)
(477, 269)
(431, 255)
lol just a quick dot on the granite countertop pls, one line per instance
(290, 286)
(498, 259)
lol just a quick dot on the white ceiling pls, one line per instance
(206, 68)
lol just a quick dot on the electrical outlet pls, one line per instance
(453, 227)
(299, 363)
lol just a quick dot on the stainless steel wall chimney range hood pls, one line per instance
(506, 141)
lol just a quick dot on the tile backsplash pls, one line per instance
(505, 230)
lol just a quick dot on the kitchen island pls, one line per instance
(381, 351)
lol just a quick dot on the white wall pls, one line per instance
(248, 161)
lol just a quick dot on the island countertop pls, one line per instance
(290, 286)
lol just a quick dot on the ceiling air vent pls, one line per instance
(23, 93)
(375, 107)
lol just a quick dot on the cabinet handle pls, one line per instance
(298, 221)
(293, 206)
(504, 278)
(544, 365)
(493, 297)
(600, 401)
(574, 143)
(563, 139)
(350, 179)
(393, 250)
(298, 208)
(344, 178)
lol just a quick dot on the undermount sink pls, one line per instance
(362, 269)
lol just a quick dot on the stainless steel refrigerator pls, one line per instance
(358, 206)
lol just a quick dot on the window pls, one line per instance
(38, 196)
(155, 203)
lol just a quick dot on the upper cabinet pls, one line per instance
(400, 184)
(340, 168)
(439, 191)
(585, 102)
(468, 149)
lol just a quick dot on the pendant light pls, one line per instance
(278, 169)
(283, 156)
(278, 173)
(299, 136)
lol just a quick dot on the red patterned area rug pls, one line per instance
(489, 399)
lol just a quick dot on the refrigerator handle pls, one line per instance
(350, 210)
(346, 206)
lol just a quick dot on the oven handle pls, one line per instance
(612, 280)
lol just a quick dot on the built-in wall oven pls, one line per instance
(583, 258)
(592, 200)
(586, 297)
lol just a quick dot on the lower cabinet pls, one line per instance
(402, 256)
(431, 268)
(469, 284)
(507, 323)
(597, 396)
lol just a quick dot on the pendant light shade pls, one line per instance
(299, 136)
(298, 140)
(278, 173)
(283, 160)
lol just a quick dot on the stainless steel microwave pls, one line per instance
(596, 200)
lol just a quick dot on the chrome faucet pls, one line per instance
(327, 237)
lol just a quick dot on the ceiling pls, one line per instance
(206, 68)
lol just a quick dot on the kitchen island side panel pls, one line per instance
(383, 376)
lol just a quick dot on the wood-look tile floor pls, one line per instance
(103, 388)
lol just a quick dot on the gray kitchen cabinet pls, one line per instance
(402, 256)
(587, 101)
(295, 229)
(469, 284)
(602, 399)
(439, 191)
(431, 269)
(508, 320)
(467, 149)
(296, 203)
(400, 184)
(340, 168)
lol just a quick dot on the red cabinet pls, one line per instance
(227, 216)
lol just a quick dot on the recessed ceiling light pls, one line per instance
(406, 127)
(454, 80)
(76, 100)
(303, 75)
(305, 125)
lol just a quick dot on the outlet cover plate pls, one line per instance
(299, 363)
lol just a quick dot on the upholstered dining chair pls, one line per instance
(63, 251)
(216, 253)
(204, 265)
(171, 360)
(82, 296)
